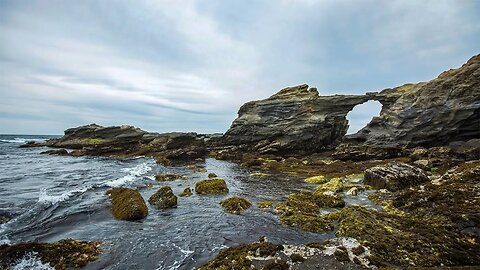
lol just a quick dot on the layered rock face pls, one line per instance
(435, 113)
(296, 119)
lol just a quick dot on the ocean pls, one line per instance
(54, 197)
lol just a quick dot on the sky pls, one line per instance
(169, 65)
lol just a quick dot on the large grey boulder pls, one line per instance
(394, 176)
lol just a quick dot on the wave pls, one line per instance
(21, 140)
(132, 174)
(43, 197)
(31, 261)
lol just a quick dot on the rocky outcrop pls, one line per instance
(296, 119)
(163, 198)
(126, 141)
(434, 113)
(394, 176)
(127, 204)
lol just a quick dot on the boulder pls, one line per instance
(394, 176)
(235, 205)
(127, 204)
(211, 186)
(169, 177)
(163, 198)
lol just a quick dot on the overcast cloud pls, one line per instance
(189, 65)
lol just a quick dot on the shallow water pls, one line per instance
(56, 197)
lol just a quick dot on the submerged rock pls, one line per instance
(127, 204)
(394, 176)
(212, 175)
(211, 186)
(64, 254)
(187, 192)
(163, 198)
(61, 152)
(235, 205)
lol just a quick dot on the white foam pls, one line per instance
(4, 240)
(31, 262)
(43, 197)
(132, 174)
(22, 140)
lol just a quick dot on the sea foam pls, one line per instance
(132, 174)
(43, 197)
(32, 262)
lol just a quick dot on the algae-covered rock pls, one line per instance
(239, 257)
(212, 175)
(265, 204)
(163, 198)
(211, 186)
(394, 176)
(169, 177)
(127, 204)
(408, 240)
(64, 254)
(333, 186)
(235, 205)
(319, 179)
(187, 192)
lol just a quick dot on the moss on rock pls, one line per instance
(235, 205)
(64, 254)
(94, 141)
(265, 204)
(319, 179)
(211, 186)
(212, 175)
(127, 204)
(163, 198)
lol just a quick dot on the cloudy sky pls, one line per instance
(188, 65)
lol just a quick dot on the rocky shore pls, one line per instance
(418, 161)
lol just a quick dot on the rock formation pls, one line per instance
(298, 120)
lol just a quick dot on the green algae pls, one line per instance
(211, 186)
(235, 205)
(94, 141)
(127, 204)
(212, 175)
(163, 198)
(265, 204)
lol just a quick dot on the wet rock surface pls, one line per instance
(163, 198)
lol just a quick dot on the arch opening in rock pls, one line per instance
(362, 114)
